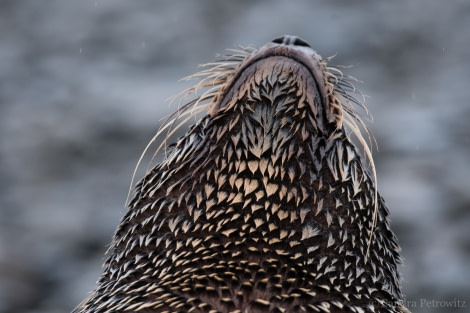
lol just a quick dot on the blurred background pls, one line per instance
(84, 87)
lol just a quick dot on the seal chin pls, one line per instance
(280, 68)
(299, 51)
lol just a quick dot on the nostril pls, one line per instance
(300, 42)
(279, 40)
(291, 41)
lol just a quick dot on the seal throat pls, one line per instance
(265, 204)
(261, 74)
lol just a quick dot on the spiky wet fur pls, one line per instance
(258, 208)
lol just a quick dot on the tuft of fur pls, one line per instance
(265, 205)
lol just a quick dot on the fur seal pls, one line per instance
(264, 205)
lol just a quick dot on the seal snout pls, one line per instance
(290, 40)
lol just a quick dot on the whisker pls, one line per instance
(343, 102)
(212, 78)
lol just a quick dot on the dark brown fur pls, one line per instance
(265, 205)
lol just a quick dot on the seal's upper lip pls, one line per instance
(301, 54)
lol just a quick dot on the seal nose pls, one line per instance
(291, 41)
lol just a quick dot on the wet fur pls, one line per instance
(264, 205)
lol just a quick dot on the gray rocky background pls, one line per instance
(83, 89)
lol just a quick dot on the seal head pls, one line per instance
(265, 205)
